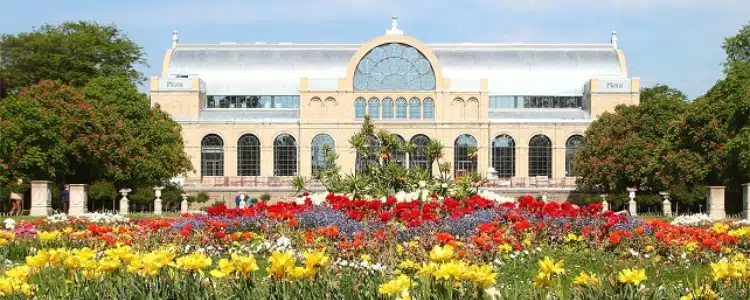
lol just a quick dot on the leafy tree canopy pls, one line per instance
(72, 52)
(105, 130)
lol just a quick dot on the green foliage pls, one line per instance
(72, 52)
(101, 193)
(299, 183)
(106, 131)
(102, 190)
(142, 197)
(622, 148)
(265, 197)
(171, 195)
(737, 47)
(201, 197)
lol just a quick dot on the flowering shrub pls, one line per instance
(334, 247)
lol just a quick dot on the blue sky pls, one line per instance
(676, 42)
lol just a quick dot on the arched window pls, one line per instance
(322, 146)
(387, 108)
(572, 146)
(284, 156)
(372, 157)
(248, 156)
(401, 109)
(464, 159)
(394, 67)
(417, 157)
(429, 109)
(540, 156)
(399, 157)
(504, 156)
(359, 108)
(212, 156)
(415, 109)
(374, 108)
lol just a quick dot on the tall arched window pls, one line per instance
(374, 108)
(399, 157)
(322, 146)
(372, 157)
(387, 108)
(248, 156)
(284, 156)
(464, 160)
(360, 108)
(504, 156)
(540, 156)
(572, 146)
(429, 109)
(401, 109)
(212, 156)
(417, 157)
(415, 109)
(394, 67)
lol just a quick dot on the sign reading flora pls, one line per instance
(175, 84)
(614, 86)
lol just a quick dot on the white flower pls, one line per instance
(422, 183)
(444, 185)
(300, 200)
(10, 224)
(492, 293)
(693, 220)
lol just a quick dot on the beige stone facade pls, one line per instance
(470, 82)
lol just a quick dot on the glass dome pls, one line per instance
(394, 67)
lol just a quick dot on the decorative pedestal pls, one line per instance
(184, 204)
(605, 204)
(746, 201)
(632, 205)
(666, 206)
(124, 202)
(78, 200)
(157, 202)
(715, 202)
(41, 198)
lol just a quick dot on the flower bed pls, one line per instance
(332, 247)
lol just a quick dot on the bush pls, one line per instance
(201, 197)
(142, 198)
(101, 193)
(265, 197)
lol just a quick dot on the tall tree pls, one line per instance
(72, 52)
(621, 148)
(103, 131)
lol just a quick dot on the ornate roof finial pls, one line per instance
(394, 28)
(175, 38)
(614, 40)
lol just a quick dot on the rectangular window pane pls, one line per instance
(429, 113)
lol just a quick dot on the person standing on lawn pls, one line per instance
(65, 196)
(16, 201)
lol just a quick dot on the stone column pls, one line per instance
(605, 204)
(715, 201)
(78, 200)
(746, 201)
(124, 203)
(632, 206)
(157, 202)
(666, 206)
(41, 198)
(184, 204)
